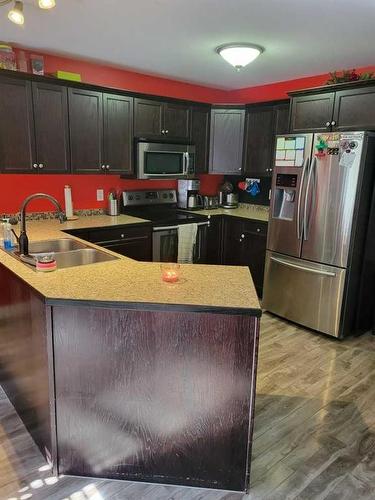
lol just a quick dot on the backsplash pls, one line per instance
(52, 215)
(14, 188)
(260, 199)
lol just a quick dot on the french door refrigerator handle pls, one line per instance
(299, 222)
(303, 268)
(305, 219)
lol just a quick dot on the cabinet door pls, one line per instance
(226, 142)
(355, 109)
(51, 127)
(259, 140)
(253, 251)
(200, 137)
(215, 240)
(232, 252)
(281, 118)
(118, 133)
(177, 121)
(17, 144)
(148, 118)
(312, 113)
(86, 130)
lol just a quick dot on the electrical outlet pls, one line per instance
(100, 195)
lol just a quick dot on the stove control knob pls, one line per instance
(165, 195)
(171, 196)
(131, 197)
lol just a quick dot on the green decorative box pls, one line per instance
(66, 75)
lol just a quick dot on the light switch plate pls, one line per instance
(100, 195)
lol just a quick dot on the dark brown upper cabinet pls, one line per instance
(226, 140)
(118, 133)
(263, 123)
(200, 137)
(17, 140)
(281, 117)
(51, 128)
(177, 121)
(312, 113)
(346, 106)
(355, 109)
(161, 120)
(86, 130)
(148, 118)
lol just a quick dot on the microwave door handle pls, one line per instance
(186, 163)
(298, 221)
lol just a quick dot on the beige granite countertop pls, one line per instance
(246, 211)
(126, 280)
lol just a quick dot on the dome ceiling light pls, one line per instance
(16, 12)
(239, 55)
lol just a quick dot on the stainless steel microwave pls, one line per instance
(164, 161)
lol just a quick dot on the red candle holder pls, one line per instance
(170, 272)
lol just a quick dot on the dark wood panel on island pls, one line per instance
(167, 395)
(26, 358)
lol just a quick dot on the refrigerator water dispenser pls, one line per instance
(285, 197)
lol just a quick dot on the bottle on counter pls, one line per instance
(7, 236)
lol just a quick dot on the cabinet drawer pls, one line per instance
(119, 233)
(255, 227)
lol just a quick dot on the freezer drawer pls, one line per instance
(304, 292)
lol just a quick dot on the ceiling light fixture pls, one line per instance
(47, 4)
(239, 55)
(16, 13)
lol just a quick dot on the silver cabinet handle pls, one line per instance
(303, 268)
(35, 165)
(258, 230)
(103, 167)
(299, 235)
(328, 124)
(163, 131)
(107, 167)
(166, 131)
(41, 165)
(333, 123)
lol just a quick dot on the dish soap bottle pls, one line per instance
(7, 235)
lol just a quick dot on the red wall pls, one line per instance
(279, 90)
(14, 188)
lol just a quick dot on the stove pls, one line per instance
(160, 207)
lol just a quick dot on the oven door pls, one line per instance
(165, 244)
(164, 161)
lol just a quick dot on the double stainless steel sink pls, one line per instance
(67, 253)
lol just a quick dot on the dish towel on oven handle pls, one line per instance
(187, 235)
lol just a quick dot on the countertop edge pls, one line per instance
(157, 306)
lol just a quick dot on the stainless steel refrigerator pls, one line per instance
(320, 205)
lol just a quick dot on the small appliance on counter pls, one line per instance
(227, 198)
(113, 207)
(210, 202)
(188, 194)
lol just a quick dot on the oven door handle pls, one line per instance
(155, 229)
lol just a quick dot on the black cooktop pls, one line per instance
(165, 216)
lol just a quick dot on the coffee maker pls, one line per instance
(188, 194)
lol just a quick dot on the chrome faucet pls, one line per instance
(23, 241)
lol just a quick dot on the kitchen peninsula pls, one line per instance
(117, 374)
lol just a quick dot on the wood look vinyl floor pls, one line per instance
(314, 430)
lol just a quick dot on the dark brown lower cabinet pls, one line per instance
(139, 392)
(134, 241)
(214, 240)
(245, 245)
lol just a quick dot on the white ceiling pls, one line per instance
(177, 38)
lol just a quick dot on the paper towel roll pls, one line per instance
(68, 202)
